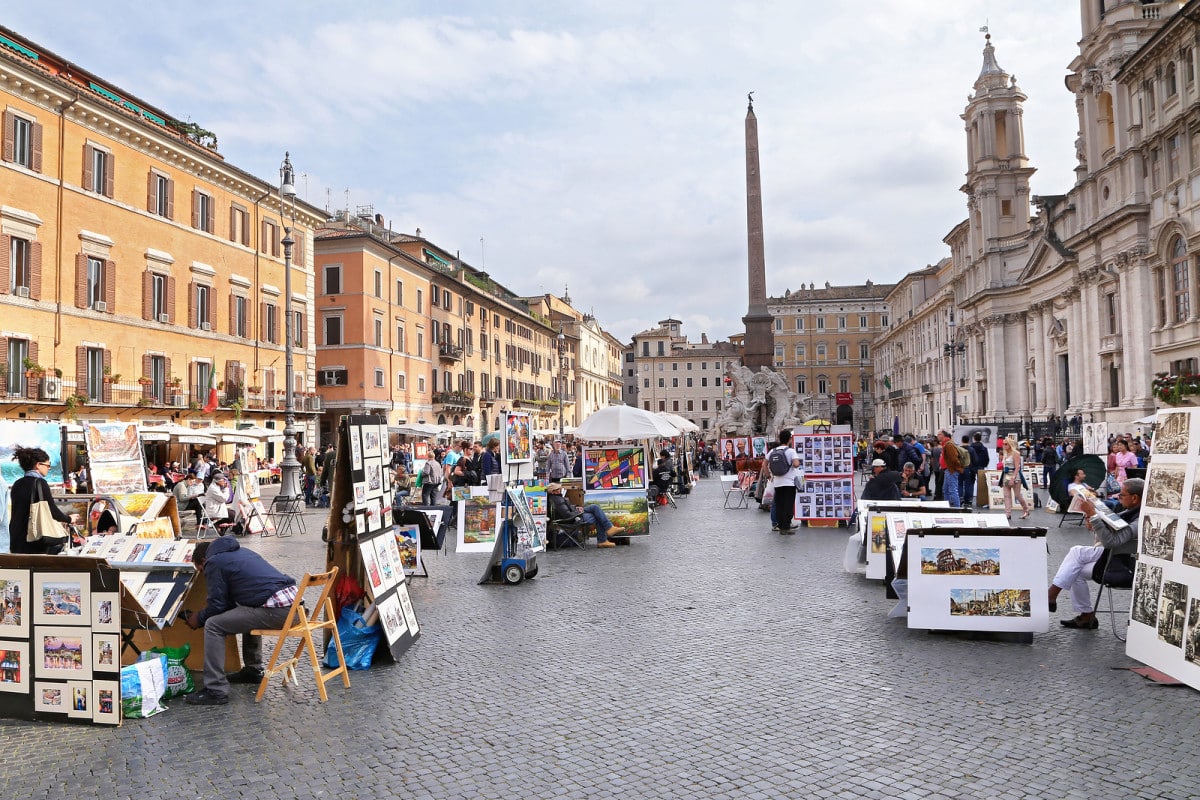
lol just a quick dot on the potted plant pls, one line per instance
(174, 382)
(237, 407)
(145, 380)
(73, 402)
(1177, 390)
(32, 368)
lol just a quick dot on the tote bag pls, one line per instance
(42, 524)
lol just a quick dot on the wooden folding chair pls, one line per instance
(299, 625)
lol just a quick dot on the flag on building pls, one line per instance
(887, 383)
(210, 405)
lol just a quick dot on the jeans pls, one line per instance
(594, 515)
(429, 493)
(1048, 471)
(239, 619)
(966, 487)
(950, 488)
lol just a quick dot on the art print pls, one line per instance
(1191, 544)
(79, 694)
(614, 468)
(360, 495)
(392, 615)
(355, 449)
(133, 581)
(406, 543)
(62, 652)
(758, 446)
(479, 521)
(106, 650)
(106, 612)
(106, 702)
(1172, 433)
(1195, 504)
(1191, 645)
(388, 573)
(1164, 487)
(410, 614)
(1095, 438)
(14, 667)
(153, 597)
(1172, 609)
(374, 514)
(420, 451)
(518, 438)
(371, 567)
(960, 561)
(62, 598)
(50, 698)
(371, 444)
(1147, 584)
(374, 472)
(990, 603)
(629, 510)
(14, 603)
(1158, 535)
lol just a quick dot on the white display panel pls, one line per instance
(899, 524)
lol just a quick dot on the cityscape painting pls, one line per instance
(989, 602)
(953, 561)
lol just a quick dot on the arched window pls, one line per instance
(1104, 105)
(1179, 280)
(1172, 86)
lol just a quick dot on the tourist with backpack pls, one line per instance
(783, 464)
(952, 466)
(432, 477)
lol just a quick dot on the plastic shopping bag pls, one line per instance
(142, 686)
(359, 640)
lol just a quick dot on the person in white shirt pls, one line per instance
(784, 507)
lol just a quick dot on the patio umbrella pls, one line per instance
(486, 440)
(182, 435)
(624, 423)
(259, 432)
(1150, 420)
(682, 423)
(1092, 466)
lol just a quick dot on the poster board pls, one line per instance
(388, 588)
(24, 433)
(827, 461)
(899, 525)
(977, 579)
(988, 437)
(990, 480)
(873, 531)
(115, 459)
(1164, 623)
(1095, 438)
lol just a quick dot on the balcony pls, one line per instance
(449, 352)
(895, 394)
(927, 388)
(454, 401)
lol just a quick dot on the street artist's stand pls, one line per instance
(362, 540)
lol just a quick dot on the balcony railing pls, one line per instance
(454, 400)
(449, 352)
(75, 391)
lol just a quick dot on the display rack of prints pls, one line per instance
(388, 589)
(1164, 627)
(872, 529)
(115, 458)
(995, 494)
(827, 461)
(529, 535)
(898, 524)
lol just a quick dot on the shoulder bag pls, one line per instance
(42, 524)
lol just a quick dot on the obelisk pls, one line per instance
(760, 344)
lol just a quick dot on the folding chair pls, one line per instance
(1113, 571)
(299, 625)
(733, 491)
(209, 525)
(574, 530)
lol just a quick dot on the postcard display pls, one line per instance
(60, 640)
(995, 494)
(977, 579)
(616, 478)
(827, 461)
(1164, 622)
(363, 542)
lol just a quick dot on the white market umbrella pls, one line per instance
(684, 424)
(417, 429)
(180, 434)
(624, 423)
(230, 436)
(258, 432)
(1150, 420)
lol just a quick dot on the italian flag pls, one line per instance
(211, 404)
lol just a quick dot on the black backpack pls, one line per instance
(778, 463)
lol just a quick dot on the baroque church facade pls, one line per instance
(1075, 309)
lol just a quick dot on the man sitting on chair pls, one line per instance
(1076, 569)
(592, 514)
(245, 593)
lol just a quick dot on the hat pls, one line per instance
(879, 462)
(554, 487)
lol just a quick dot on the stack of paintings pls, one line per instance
(616, 478)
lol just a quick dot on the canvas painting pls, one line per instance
(115, 457)
(62, 652)
(518, 438)
(63, 598)
(14, 667)
(106, 652)
(14, 611)
(106, 702)
(614, 468)
(106, 612)
(478, 523)
(735, 448)
(627, 509)
(406, 544)
(25, 433)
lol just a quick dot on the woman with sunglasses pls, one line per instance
(28, 489)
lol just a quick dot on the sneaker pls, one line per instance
(606, 544)
(205, 698)
(246, 675)
(774, 528)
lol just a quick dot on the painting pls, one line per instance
(1147, 583)
(49, 697)
(1172, 608)
(535, 496)
(62, 598)
(372, 445)
(106, 702)
(106, 650)
(758, 446)
(153, 597)
(1171, 433)
(1095, 438)
(389, 571)
(1191, 646)
(614, 468)
(79, 695)
(355, 449)
(62, 652)
(1191, 544)
(371, 567)
(735, 448)
(420, 451)
(626, 509)
(407, 545)
(14, 667)
(115, 457)
(1158, 535)
(373, 468)
(879, 540)
(391, 613)
(410, 614)
(478, 523)
(1164, 486)
(960, 561)
(518, 438)
(16, 433)
(990, 603)
(14, 589)
(106, 612)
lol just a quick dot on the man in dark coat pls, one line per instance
(884, 485)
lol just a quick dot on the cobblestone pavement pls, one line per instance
(712, 660)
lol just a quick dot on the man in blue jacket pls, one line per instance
(244, 593)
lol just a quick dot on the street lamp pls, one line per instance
(289, 468)
(952, 349)
(562, 368)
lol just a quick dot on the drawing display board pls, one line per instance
(388, 589)
(478, 519)
(1164, 627)
(872, 528)
(616, 467)
(977, 579)
(827, 461)
(115, 459)
(23, 433)
(995, 494)
(1095, 438)
(898, 525)
(529, 536)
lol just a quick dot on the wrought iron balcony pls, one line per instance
(462, 401)
(449, 352)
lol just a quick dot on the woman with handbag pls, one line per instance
(27, 493)
(1011, 480)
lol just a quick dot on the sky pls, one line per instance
(597, 146)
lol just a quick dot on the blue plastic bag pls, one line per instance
(359, 641)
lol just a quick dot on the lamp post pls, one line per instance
(289, 468)
(952, 349)
(562, 364)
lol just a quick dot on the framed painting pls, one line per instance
(518, 438)
(614, 468)
(79, 697)
(62, 653)
(14, 603)
(106, 702)
(50, 697)
(63, 598)
(14, 667)
(106, 611)
(106, 649)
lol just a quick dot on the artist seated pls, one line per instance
(664, 475)
(563, 511)
(1076, 570)
(218, 500)
(884, 483)
(913, 485)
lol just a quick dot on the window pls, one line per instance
(204, 212)
(821, 353)
(298, 328)
(1174, 146)
(779, 355)
(333, 279)
(447, 300)
(378, 378)
(204, 371)
(820, 323)
(269, 238)
(883, 320)
(158, 378)
(799, 323)
(645, 383)
(241, 316)
(646, 405)
(401, 380)
(379, 333)
(689, 383)
(864, 351)
(662, 405)
(94, 373)
(1110, 309)
(159, 310)
(822, 385)
(841, 323)
(18, 351)
(662, 383)
(97, 171)
(661, 350)
(675, 366)
(689, 366)
(703, 405)
(778, 324)
(162, 195)
(1172, 84)
(22, 141)
(333, 330)
(95, 284)
(421, 384)
(1189, 68)
(271, 322)
(400, 337)
(802, 385)
(379, 284)
(420, 344)
(19, 266)
(400, 293)
(704, 381)
(843, 384)
(239, 225)
(862, 321)
(420, 301)
(674, 383)
(801, 353)
(203, 306)
(674, 405)
(1179, 279)
(843, 352)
